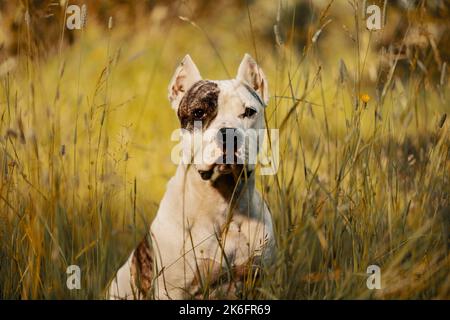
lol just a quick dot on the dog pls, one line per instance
(212, 228)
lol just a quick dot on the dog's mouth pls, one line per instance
(228, 162)
(224, 169)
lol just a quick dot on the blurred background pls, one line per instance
(86, 137)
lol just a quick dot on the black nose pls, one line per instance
(229, 139)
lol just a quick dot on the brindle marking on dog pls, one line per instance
(202, 95)
(142, 266)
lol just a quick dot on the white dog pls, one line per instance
(212, 227)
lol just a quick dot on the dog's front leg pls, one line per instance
(134, 278)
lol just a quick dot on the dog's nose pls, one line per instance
(230, 139)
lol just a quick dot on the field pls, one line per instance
(364, 154)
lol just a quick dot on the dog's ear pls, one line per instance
(185, 76)
(250, 73)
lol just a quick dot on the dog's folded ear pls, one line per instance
(250, 73)
(185, 76)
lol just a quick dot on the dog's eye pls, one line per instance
(198, 114)
(248, 113)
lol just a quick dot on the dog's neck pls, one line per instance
(224, 191)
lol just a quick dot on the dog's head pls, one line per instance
(229, 115)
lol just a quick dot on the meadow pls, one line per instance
(364, 155)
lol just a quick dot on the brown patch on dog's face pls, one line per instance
(199, 104)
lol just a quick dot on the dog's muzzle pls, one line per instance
(226, 169)
(230, 141)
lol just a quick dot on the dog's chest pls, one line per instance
(239, 238)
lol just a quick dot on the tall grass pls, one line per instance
(85, 157)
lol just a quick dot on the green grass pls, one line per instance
(85, 157)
